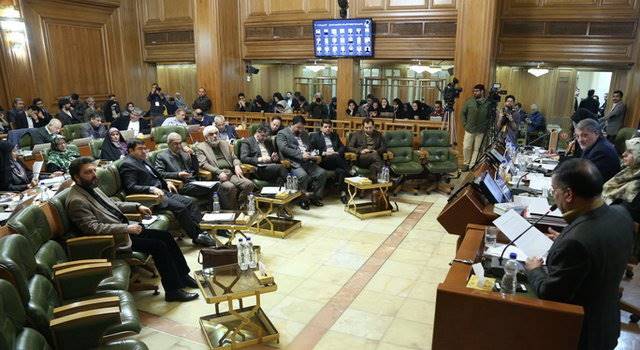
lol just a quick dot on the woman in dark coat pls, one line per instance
(14, 175)
(114, 147)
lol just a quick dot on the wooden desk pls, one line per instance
(467, 318)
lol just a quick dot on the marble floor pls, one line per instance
(342, 283)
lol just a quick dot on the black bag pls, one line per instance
(218, 256)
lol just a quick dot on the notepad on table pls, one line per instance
(219, 217)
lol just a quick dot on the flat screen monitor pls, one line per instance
(490, 188)
(352, 37)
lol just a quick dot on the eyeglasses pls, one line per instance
(553, 191)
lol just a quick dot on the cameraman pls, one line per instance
(475, 119)
(509, 120)
(156, 100)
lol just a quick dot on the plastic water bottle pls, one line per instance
(242, 254)
(288, 185)
(251, 254)
(387, 175)
(294, 184)
(216, 203)
(251, 205)
(509, 281)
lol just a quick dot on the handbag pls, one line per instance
(218, 256)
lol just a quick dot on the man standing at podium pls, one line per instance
(587, 259)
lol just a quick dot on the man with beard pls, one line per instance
(369, 145)
(96, 214)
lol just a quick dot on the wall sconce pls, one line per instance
(13, 27)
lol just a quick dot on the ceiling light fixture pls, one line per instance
(419, 68)
(315, 67)
(537, 72)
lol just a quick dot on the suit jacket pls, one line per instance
(615, 118)
(605, 157)
(585, 266)
(88, 131)
(317, 142)
(18, 118)
(122, 123)
(289, 148)
(65, 119)
(591, 104)
(250, 150)
(92, 218)
(41, 135)
(170, 164)
(358, 142)
(207, 158)
(137, 179)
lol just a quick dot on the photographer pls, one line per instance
(475, 118)
(156, 100)
(509, 120)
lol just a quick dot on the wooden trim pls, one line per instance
(82, 269)
(86, 305)
(65, 265)
(79, 317)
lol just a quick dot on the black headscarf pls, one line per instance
(11, 169)
(109, 150)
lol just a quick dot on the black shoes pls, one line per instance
(224, 233)
(283, 214)
(179, 295)
(316, 202)
(343, 197)
(204, 239)
(189, 282)
(304, 204)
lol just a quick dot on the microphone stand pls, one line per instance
(552, 208)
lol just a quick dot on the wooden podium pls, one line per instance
(467, 318)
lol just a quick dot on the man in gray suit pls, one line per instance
(256, 151)
(216, 156)
(615, 117)
(587, 259)
(294, 144)
(94, 213)
(369, 145)
(46, 133)
(94, 128)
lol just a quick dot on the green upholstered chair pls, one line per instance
(13, 320)
(441, 158)
(73, 131)
(623, 135)
(406, 161)
(253, 127)
(26, 141)
(96, 148)
(72, 283)
(160, 133)
(32, 223)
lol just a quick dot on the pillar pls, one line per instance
(348, 84)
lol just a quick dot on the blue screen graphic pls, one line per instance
(343, 37)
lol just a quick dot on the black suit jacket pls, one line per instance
(18, 118)
(40, 136)
(591, 104)
(605, 157)
(250, 151)
(169, 164)
(137, 179)
(585, 267)
(122, 123)
(317, 142)
(66, 120)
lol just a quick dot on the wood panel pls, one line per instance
(167, 15)
(348, 84)
(574, 9)
(379, 9)
(279, 11)
(178, 78)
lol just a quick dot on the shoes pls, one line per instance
(316, 202)
(204, 240)
(304, 204)
(283, 214)
(189, 282)
(179, 295)
(224, 233)
(465, 168)
(343, 197)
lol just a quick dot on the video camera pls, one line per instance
(495, 92)
(451, 92)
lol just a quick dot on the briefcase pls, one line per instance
(220, 256)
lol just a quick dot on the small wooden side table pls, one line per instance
(365, 210)
(273, 225)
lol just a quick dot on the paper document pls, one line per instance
(216, 217)
(497, 250)
(539, 182)
(149, 221)
(37, 167)
(207, 184)
(358, 179)
(53, 180)
(4, 215)
(267, 190)
(532, 243)
(536, 205)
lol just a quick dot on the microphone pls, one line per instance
(538, 138)
(552, 208)
(520, 179)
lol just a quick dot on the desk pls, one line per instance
(234, 227)
(368, 209)
(467, 318)
(272, 225)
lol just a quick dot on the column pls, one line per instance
(348, 84)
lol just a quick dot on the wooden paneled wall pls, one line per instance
(168, 30)
(181, 78)
(405, 29)
(91, 48)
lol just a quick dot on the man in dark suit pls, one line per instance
(294, 145)
(96, 214)
(329, 146)
(258, 151)
(18, 117)
(179, 162)
(133, 121)
(369, 145)
(46, 133)
(67, 115)
(274, 126)
(587, 259)
(94, 128)
(615, 117)
(138, 176)
(597, 149)
(590, 102)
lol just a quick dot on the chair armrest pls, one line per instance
(90, 247)
(175, 182)
(387, 155)
(81, 280)
(248, 168)
(134, 216)
(84, 305)
(145, 199)
(73, 263)
(205, 174)
(351, 156)
(83, 329)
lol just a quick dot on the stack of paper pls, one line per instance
(532, 243)
(206, 184)
(219, 217)
(359, 179)
(536, 206)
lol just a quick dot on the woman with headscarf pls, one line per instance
(60, 156)
(113, 147)
(14, 175)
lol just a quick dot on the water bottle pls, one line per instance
(288, 185)
(216, 203)
(251, 254)
(242, 254)
(251, 205)
(294, 184)
(387, 174)
(509, 281)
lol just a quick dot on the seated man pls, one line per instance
(133, 121)
(216, 156)
(274, 126)
(293, 143)
(178, 162)
(199, 118)
(329, 146)
(94, 213)
(586, 262)
(255, 151)
(597, 148)
(369, 145)
(46, 133)
(94, 128)
(138, 176)
(67, 114)
(226, 132)
(177, 120)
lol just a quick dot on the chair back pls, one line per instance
(399, 143)
(623, 135)
(72, 131)
(435, 138)
(96, 148)
(160, 133)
